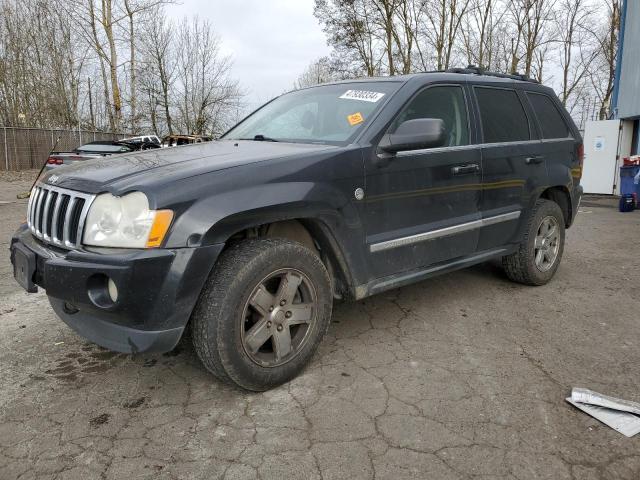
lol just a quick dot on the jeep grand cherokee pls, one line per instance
(336, 191)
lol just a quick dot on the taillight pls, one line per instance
(54, 161)
(580, 153)
(576, 172)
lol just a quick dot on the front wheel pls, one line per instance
(538, 256)
(262, 313)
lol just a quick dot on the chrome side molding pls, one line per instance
(443, 232)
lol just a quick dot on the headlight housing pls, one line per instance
(125, 222)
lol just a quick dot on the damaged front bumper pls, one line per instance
(155, 289)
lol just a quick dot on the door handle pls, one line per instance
(533, 160)
(465, 169)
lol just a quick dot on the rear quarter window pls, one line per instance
(502, 115)
(549, 117)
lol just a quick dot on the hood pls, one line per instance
(119, 173)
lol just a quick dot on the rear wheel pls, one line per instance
(262, 313)
(538, 256)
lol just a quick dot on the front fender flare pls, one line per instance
(215, 219)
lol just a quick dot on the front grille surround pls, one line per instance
(56, 215)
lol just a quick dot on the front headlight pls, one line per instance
(125, 222)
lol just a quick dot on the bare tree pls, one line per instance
(351, 29)
(566, 43)
(319, 71)
(483, 32)
(444, 19)
(207, 91)
(106, 20)
(88, 13)
(575, 51)
(133, 10)
(405, 34)
(121, 64)
(40, 65)
(602, 73)
(529, 17)
(384, 19)
(160, 66)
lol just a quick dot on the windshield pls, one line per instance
(329, 114)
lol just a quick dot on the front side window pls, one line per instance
(444, 102)
(502, 115)
(327, 114)
(551, 122)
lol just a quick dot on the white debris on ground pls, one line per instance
(619, 414)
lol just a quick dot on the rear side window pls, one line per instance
(550, 119)
(502, 115)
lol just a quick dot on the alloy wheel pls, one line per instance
(547, 243)
(278, 316)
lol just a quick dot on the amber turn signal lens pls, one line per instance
(160, 227)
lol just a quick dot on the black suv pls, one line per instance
(338, 191)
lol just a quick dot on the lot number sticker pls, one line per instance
(362, 95)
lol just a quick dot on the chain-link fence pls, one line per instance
(24, 148)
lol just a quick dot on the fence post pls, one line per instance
(6, 150)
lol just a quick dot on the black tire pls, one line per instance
(219, 321)
(521, 266)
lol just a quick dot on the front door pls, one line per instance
(422, 206)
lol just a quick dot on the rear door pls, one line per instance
(558, 145)
(513, 163)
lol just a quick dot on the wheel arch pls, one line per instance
(307, 227)
(560, 195)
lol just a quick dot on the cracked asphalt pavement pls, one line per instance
(461, 376)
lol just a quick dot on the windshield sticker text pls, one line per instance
(362, 95)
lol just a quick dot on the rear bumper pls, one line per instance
(157, 291)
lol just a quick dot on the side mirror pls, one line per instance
(414, 135)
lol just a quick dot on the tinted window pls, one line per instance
(502, 115)
(551, 122)
(446, 103)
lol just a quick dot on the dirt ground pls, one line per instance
(462, 376)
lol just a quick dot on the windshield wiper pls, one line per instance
(261, 138)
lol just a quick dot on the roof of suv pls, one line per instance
(470, 74)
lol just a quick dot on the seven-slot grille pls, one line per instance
(56, 215)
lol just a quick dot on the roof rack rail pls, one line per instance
(474, 70)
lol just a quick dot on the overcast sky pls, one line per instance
(271, 41)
